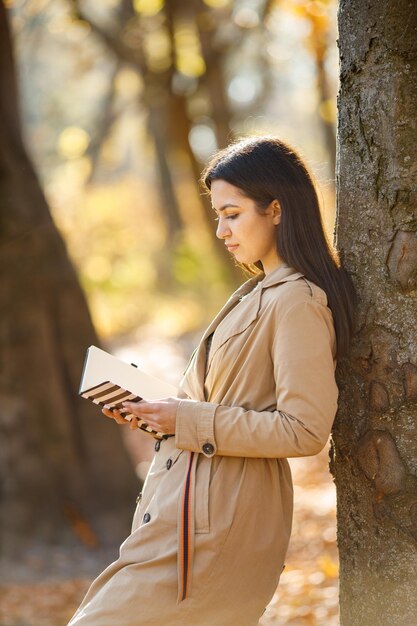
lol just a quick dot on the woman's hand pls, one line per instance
(160, 415)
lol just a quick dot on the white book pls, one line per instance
(107, 380)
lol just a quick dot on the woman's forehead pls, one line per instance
(223, 193)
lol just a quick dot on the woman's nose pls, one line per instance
(222, 230)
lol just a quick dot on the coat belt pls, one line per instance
(186, 529)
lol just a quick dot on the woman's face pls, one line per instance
(248, 235)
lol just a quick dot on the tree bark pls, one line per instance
(65, 477)
(374, 453)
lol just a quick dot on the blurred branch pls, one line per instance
(154, 85)
(105, 122)
(214, 57)
(125, 11)
(214, 80)
(30, 30)
(266, 9)
(114, 41)
(328, 126)
(318, 43)
(157, 118)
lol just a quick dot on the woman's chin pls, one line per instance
(242, 258)
(239, 256)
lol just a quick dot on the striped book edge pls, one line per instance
(113, 395)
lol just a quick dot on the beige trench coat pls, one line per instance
(210, 533)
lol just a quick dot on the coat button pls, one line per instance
(139, 498)
(157, 445)
(146, 518)
(169, 464)
(208, 448)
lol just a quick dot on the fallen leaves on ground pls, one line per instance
(308, 591)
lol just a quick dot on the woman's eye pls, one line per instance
(228, 217)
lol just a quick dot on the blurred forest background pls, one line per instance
(122, 103)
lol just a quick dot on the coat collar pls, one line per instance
(261, 281)
(281, 274)
(254, 286)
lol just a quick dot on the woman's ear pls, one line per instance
(276, 212)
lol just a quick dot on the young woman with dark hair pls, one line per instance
(212, 526)
(265, 169)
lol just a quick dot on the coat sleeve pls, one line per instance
(181, 393)
(306, 397)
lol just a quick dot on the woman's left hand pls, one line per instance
(160, 415)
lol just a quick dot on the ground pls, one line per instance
(308, 592)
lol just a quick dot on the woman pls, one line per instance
(212, 525)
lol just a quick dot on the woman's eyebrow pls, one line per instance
(226, 206)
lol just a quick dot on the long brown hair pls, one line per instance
(267, 169)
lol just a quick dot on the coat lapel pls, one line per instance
(193, 382)
(248, 311)
(196, 382)
(245, 314)
(230, 304)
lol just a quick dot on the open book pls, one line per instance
(106, 380)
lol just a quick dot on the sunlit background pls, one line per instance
(122, 103)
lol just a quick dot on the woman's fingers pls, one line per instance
(115, 414)
(155, 425)
(159, 415)
(134, 423)
(141, 408)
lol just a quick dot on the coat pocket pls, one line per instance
(202, 486)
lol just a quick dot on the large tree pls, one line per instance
(65, 476)
(375, 436)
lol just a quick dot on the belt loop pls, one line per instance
(186, 521)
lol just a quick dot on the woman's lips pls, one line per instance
(232, 247)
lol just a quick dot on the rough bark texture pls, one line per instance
(374, 455)
(65, 477)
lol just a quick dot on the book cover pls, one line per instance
(107, 380)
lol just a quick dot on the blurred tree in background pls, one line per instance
(124, 101)
(54, 456)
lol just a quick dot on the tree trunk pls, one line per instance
(374, 454)
(65, 477)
